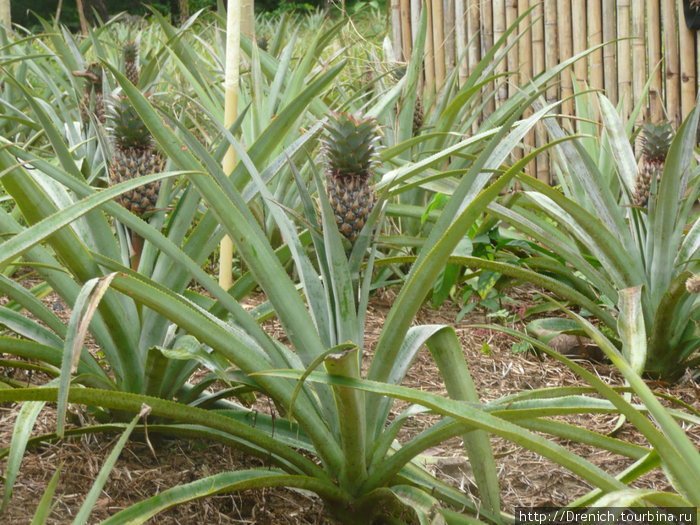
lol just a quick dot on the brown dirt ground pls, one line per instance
(526, 478)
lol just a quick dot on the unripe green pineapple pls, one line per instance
(656, 140)
(349, 146)
(131, 62)
(134, 156)
(92, 102)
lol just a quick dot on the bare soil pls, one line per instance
(526, 478)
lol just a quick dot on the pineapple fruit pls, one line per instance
(134, 156)
(349, 146)
(130, 51)
(92, 102)
(656, 140)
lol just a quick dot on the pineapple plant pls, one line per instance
(131, 62)
(656, 140)
(134, 155)
(92, 102)
(349, 146)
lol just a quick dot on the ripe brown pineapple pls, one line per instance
(349, 146)
(656, 140)
(134, 156)
(92, 102)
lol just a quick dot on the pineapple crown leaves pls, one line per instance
(349, 145)
(656, 140)
(125, 126)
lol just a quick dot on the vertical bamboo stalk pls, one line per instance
(486, 31)
(461, 33)
(688, 73)
(81, 17)
(233, 36)
(438, 43)
(551, 56)
(580, 40)
(415, 18)
(609, 56)
(595, 37)
(429, 54)
(672, 62)
(525, 69)
(474, 50)
(512, 58)
(566, 45)
(5, 14)
(653, 39)
(396, 30)
(540, 167)
(499, 28)
(247, 18)
(624, 54)
(638, 54)
(406, 37)
(449, 16)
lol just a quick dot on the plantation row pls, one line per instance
(346, 180)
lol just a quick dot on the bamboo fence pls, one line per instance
(644, 41)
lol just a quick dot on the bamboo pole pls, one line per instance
(609, 56)
(540, 166)
(624, 53)
(525, 70)
(415, 18)
(247, 18)
(688, 73)
(5, 14)
(639, 70)
(672, 62)
(461, 34)
(578, 13)
(551, 57)
(499, 28)
(429, 54)
(486, 32)
(474, 51)
(81, 17)
(396, 29)
(233, 35)
(449, 16)
(512, 57)
(406, 37)
(566, 44)
(438, 43)
(653, 39)
(595, 37)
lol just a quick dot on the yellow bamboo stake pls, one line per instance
(688, 74)
(512, 57)
(595, 37)
(639, 70)
(429, 53)
(672, 62)
(540, 167)
(609, 56)
(233, 36)
(624, 54)
(461, 39)
(396, 29)
(474, 51)
(499, 28)
(5, 14)
(551, 56)
(653, 40)
(450, 40)
(247, 18)
(525, 70)
(438, 43)
(406, 37)
(580, 39)
(566, 45)
(486, 31)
